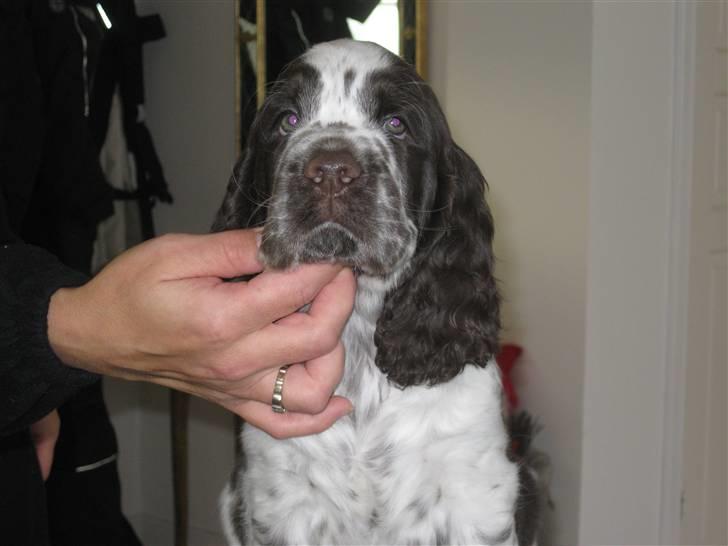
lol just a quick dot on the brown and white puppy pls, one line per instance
(351, 160)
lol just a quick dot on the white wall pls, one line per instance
(629, 262)
(514, 80)
(190, 85)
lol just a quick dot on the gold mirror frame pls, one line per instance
(260, 41)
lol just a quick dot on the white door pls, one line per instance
(705, 457)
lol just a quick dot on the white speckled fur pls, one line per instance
(423, 465)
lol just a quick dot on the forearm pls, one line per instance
(69, 335)
(33, 380)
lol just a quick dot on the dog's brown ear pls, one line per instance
(244, 204)
(445, 314)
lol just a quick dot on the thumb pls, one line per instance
(225, 255)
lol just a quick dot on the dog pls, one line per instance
(350, 160)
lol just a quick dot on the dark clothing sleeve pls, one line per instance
(33, 381)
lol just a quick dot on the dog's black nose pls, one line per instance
(334, 170)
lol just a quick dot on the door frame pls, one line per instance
(676, 337)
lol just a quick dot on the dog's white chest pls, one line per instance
(420, 466)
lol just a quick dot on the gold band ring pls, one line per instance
(277, 403)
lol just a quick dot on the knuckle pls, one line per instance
(215, 328)
(235, 253)
(320, 405)
(324, 339)
(170, 239)
(318, 398)
(226, 371)
(165, 247)
(223, 367)
(299, 294)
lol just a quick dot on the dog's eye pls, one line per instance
(394, 125)
(289, 122)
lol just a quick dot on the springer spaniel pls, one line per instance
(350, 159)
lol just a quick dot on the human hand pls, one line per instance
(161, 313)
(44, 434)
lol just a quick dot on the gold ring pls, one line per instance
(277, 403)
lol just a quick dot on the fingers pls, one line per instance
(312, 338)
(307, 387)
(289, 424)
(261, 414)
(275, 294)
(300, 337)
(335, 301)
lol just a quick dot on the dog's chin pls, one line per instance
(327, 243)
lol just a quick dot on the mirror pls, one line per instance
(293, 26)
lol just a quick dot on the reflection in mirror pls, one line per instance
(381, 26)
(293, 26)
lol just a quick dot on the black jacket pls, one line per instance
(42, 172)
(32, 379)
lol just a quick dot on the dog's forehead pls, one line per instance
(343, 67)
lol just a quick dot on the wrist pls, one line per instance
(66, 333)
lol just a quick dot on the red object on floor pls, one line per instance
(506, 360)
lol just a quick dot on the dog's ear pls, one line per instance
(445, 313)
(244, 204)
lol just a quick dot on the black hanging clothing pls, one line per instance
(32, 380)
(66, 40)
(52, 193)
(120, 66)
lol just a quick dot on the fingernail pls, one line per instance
(345, 272)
